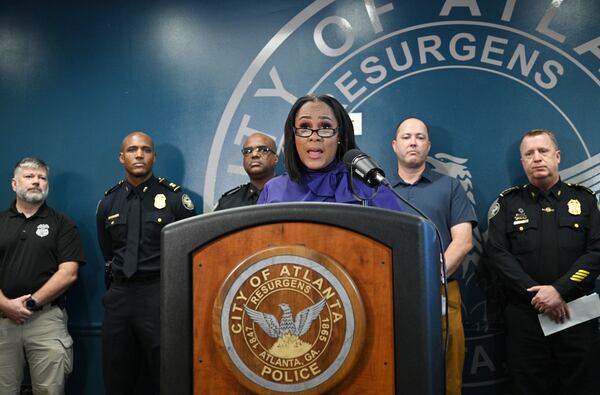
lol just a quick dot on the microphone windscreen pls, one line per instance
(350, 155)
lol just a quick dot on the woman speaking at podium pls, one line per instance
(317, 133)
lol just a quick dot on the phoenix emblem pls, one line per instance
(287, 331)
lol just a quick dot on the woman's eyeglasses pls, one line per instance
(321, 132)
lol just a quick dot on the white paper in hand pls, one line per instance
(580, 310)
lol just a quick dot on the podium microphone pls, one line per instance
(364, 167)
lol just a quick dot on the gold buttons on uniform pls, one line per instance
(521, 228)
(159, 220)
(576, 226)
(112, 222)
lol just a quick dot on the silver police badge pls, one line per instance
(43, 230)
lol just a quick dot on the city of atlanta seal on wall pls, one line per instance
(289, 320)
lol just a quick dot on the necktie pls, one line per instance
(549, 242)
(133, 237)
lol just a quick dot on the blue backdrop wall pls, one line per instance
(76, 77)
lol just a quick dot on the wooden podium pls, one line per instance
(301, 298)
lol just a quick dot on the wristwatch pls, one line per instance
(32, 304)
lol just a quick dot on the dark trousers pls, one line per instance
(131, 339)
(565, 363)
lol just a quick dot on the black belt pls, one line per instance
(61, 302)
(138, 278)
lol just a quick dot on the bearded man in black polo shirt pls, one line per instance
(40, 254)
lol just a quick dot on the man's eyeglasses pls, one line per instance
(261, 149)
(321, 132)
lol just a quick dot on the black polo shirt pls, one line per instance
(32, 248)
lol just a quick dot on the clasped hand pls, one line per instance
(548, 301)
(16, 311)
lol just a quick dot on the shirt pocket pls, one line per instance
(572, 232)
(524, 238)
(154, 222)
(117, 227)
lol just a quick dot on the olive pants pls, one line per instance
(455, 358)
(46, 344)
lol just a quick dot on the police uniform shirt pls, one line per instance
(161, 203)
(243, 195)
(32, 248)
(550, 238)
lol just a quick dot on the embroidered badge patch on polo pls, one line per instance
(43, 230)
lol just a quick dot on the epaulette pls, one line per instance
(111, 190)
(169, 185)
(232, 191)
(510, 190)
(579, 186)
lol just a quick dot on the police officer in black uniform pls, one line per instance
(129, 220)
(260, 160)
(544, 243)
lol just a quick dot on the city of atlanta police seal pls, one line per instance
(289, 320)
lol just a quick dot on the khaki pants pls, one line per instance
(455, 358)
(46, 344)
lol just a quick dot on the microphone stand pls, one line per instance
(386, 183)
(363, 201)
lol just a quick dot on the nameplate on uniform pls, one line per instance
(520, 217)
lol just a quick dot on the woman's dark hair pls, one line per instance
(293, 165)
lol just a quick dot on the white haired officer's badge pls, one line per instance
(187, 202)
(43, 230)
